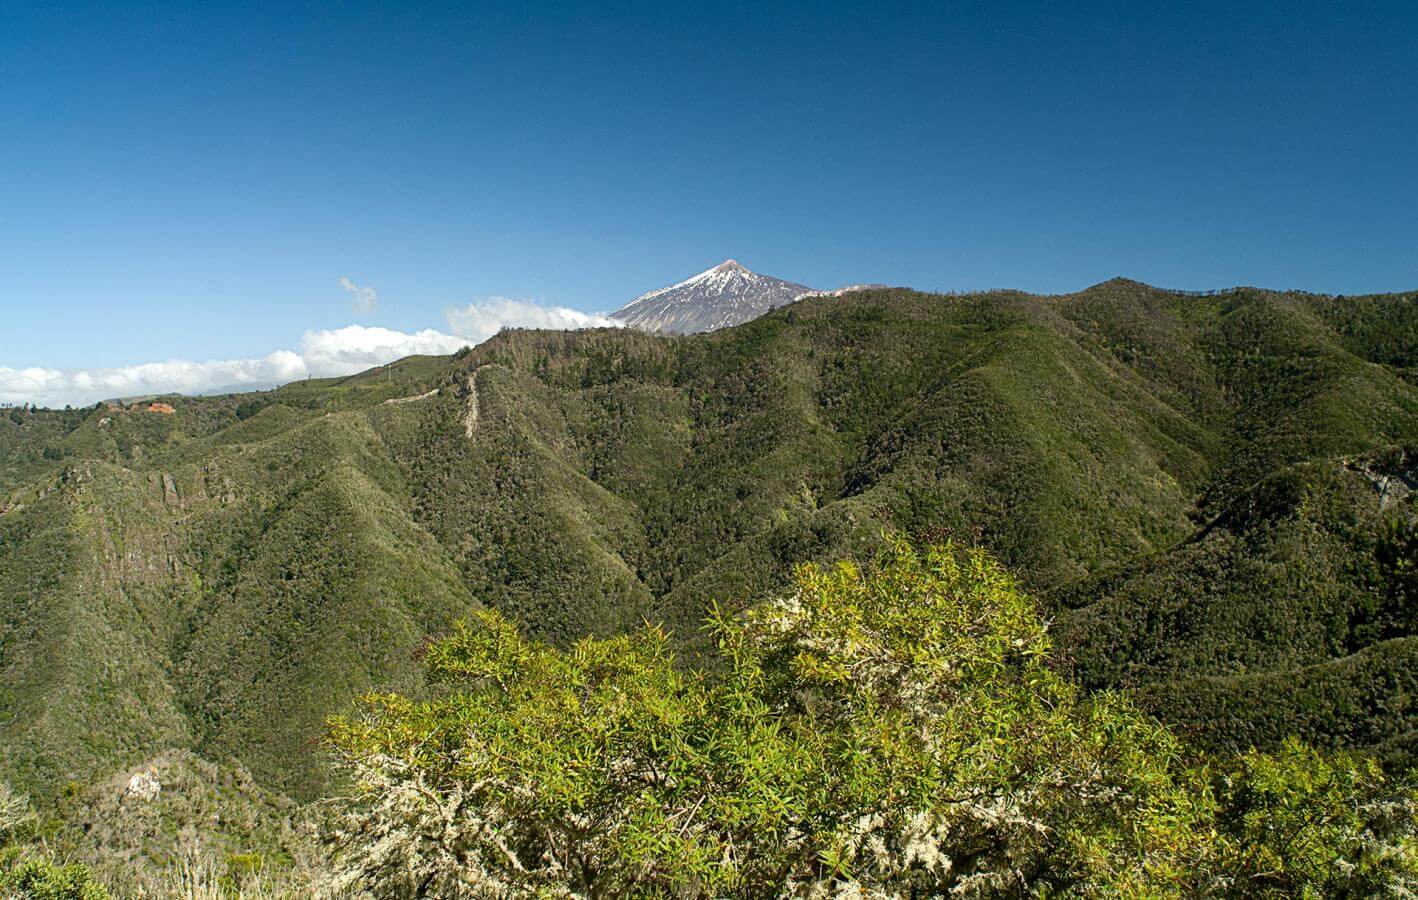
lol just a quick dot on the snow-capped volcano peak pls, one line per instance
(728, 294)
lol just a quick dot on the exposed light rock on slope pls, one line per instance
(394, 401)
(725, 295)
(470, 414)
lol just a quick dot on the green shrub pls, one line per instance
(38, 879)
(1297, 823)
(891, 731)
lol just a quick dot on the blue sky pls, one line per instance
(192, 181)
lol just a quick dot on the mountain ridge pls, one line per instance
(719, 297)
(285, 550)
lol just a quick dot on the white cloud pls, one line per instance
(354, 348)
(482, 319)
(323, 353)
(362, 299)
(342, 351)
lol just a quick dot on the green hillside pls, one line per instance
(1190, 485)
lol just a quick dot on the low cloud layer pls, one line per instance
(480, 321)
(323, 353)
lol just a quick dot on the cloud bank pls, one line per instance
(480, 321)
(322, 353)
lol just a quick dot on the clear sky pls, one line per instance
(192, 180)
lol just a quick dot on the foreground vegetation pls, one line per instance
(891, 731)
(887, 730)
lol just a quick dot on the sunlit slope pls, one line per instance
(1293, 612)
(227, 605)
(92, 597)
(318, 583)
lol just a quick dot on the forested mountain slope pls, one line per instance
(1210, 494)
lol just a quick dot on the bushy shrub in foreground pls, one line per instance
(891, 731)
(27, 876)
(40, 879)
